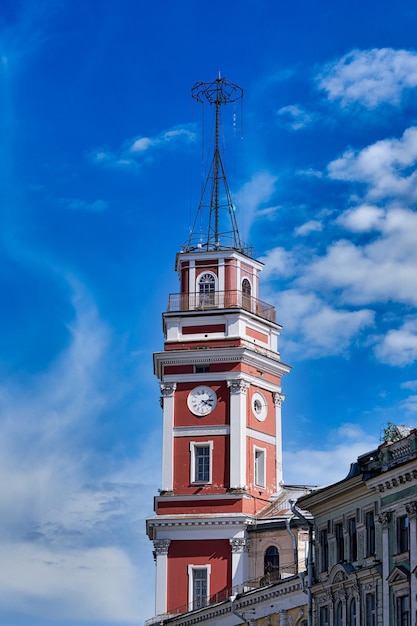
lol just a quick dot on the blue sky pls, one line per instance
(100, 159)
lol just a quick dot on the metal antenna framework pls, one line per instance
(218, 92)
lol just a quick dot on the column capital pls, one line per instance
(384, 519)
(161, 546)
(411, 508)
(239, 544)
(278, 398)
(167, 389)
(238, 386)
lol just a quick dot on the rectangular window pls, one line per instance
(403, 611)
(370, 533)
(201, 464)
(402, 534)
(324, 616)
(260, 467)
(340, 542)
(201, 369)
(353, 539)
(324, 550)
(370, 609)
(198, 586)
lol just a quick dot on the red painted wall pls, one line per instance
(214, 552)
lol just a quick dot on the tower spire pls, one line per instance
(216, 233)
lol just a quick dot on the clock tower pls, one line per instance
(220, 378)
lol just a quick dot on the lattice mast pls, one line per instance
(218, 92)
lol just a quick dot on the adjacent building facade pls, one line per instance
(365, 540)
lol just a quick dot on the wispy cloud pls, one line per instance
(370, 77)
(296, 117)
(331, 462)
(134, 152)
(77, 204)
(68, 533)
(253, 196)
(312, 226)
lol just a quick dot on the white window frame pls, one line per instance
(209, 297)
(259, 453)
(194, 445)
(191, 570)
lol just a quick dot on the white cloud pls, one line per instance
(409, 404)
(278, 262)
(98, 583)
(325, 466)
(386, 168)
(132, 152)
(409, 384)
(370, 77)
(382, 270)
(313, 226)
(399, 346)
(363, 218)
(296, 117)
(319, 330)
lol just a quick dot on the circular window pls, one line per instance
(259, 406)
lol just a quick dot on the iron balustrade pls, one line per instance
(232, 299)
(287, 576)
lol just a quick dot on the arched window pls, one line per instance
(339, 614)
(246, 294)
(206, 288)
(271, 563)
(352, 612)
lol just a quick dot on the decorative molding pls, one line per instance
(402, 479)
(161, 546)
(238, 386)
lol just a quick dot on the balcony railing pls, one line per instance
(220, 300)
(287, 576)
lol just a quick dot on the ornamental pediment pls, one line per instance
(399, 574)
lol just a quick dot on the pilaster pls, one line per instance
(238, 394)
(240, 548)
(161, 547)
(278, 400)
(168, 392)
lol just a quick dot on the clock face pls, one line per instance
(259, 406)
(202, 400)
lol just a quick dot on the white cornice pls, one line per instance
(201, 431)
(256, 434)
(262, 359)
